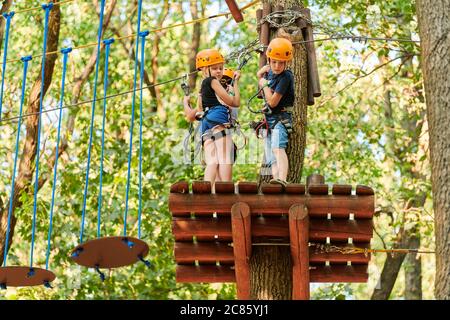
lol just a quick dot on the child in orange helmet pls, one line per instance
(213, 101)
(279, 94)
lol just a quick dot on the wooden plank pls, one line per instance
(201, 187)
(318, 189)
(242, 247)
(338, 230)
(364, 190)
(211, 252)
(247, 187)
(209, 274)
(313, 72)
(276, 204)
(295, 188)
(180, 187)
(298, 229)
(203, 252)
(339, 273)
(341, 189)
(224, 187)
(268, 188)
(235, 11)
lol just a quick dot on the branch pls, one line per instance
(361, 77)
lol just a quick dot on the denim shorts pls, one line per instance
(277, 138)
(218, 115)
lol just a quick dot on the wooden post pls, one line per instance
(299, 237)
(234, 9)
(242, 247)
(264, 35)
(314, 179)
(313, 72)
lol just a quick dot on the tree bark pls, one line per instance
(269, 281)
(434, 29)
(26, 165)
(5, 8)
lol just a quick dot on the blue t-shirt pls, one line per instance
(282, 83)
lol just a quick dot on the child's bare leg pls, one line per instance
(282, 163)
(211, 161)
(274, 167)
(224, 157)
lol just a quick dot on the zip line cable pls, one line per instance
(97, 99)
(37, 8)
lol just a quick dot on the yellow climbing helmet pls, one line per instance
(227, 72)
(280, 49)
(208, 57)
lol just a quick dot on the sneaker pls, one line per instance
(278, 181)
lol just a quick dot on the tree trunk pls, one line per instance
(271, 266)
(434, 28)
(5, 8)
(413, 271)
(25, 174)
(392, 264)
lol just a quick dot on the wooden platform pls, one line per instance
(214, 233)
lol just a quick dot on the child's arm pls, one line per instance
(232, 101)
(262, 71)
(272, 98)
(189, 112)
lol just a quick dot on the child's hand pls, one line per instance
(262, 71)
(262, 82)
(237, 75)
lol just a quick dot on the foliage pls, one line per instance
(349, 140)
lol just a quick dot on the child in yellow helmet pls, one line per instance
(278, 89)
(213, 101)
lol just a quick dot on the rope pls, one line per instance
(65, 52)
(133, 104)
(37, 8)
(8, 17)
(142, 35)
(47, 7)
(90, 101)
(133, 35)
(328, 248)
(11, 199)
(107, 43)
(99, 36)
(292, 15)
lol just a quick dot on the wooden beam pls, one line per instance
(299, 236)
(264, 35)
(209, 274)
(242, 247)
(275, 204)
(219, 229)
(211, 252)
(336, 273)
(339, 273)
(235, 11)
(313, 73)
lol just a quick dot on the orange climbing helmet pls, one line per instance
(208, 57)
(227, 72)
(280, 49)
